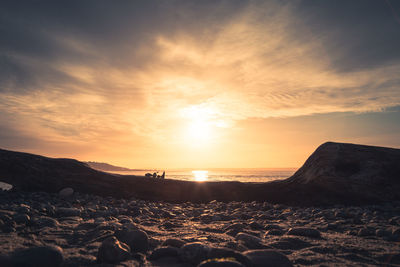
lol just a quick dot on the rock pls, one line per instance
(274, 232)
(194, 252)
(268, 258)
(255, 226)
(220, 263)
(347, 174)
(113, 251)
(68, 212)
(38, 256)
(174, 242)
(334, 173)
(66, 192)
(45, 222)
(21, 218)
(163, 252)
(137, 240)
(304, 231)
(290, 243)
(249, 241)
(366, 232)
(219, 253)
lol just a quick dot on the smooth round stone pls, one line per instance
(304, 231)
(194, 252)
(249, 241)
(255, 226)
(164, 252)
(113, 251)
(276, 232)
(267, 258)
(220, 263)
(39, 256)
(68, 212)
(366, 232)
(21, 218)
(66, 192)
(137, 240)
(46, 222)
(218, 253)
(290, 243)
(173, 242)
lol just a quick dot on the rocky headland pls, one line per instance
(342, 207)
(336, 173)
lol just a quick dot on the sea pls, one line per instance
(246, 175)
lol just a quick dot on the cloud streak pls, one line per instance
(82, 72)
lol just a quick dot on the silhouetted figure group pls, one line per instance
(155, 175)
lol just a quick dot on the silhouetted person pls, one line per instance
(155, 175)
(163, 175)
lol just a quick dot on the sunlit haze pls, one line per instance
(197, 84)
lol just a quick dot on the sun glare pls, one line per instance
(200, 125)
(200, 176)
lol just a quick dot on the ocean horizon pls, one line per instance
(253, 175)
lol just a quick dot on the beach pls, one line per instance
(52, 229)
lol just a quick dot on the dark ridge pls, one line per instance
(336, 173)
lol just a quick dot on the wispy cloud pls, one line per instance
(117, 75)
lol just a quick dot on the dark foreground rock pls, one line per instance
(108, 233)
(335, 173)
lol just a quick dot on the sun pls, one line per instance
(200, 125)
(199, 130)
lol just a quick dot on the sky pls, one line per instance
(198, 84)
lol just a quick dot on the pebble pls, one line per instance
(249, 241)
(68, 212)
(137, 240)
(38, 256)
(174, 242)
(220, 263)
(304, 231)
(45, 222)
(113, 251)
(163, 252)
(194, 252)
(21, 218)
(268, 258)
(66, 192)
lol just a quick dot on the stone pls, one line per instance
(174, 242)
(194, 253)
(366, 232)
(304, 231)
(68, 212)
(21, 218)
(113, 251)
(255, 226)
(38, 256)
(66, 192)
(163, 252)
(219, 253)
(220, 263)
(268, 258)
(276, 232)
(137, 240)
(44, 221)
(249, 241)
(290, 243)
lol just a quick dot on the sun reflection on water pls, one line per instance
(200, 176)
